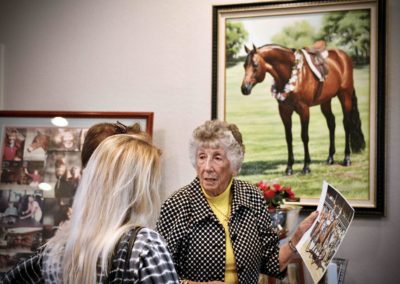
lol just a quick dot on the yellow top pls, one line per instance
(221, 206)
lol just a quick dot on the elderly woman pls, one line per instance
(217, 227)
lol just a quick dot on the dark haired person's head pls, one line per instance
(98, 132)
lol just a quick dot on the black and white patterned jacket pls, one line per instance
(196, 239)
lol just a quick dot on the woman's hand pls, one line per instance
(288, 250)
(304, 226)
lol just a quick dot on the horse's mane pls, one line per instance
(269, 46)
(274, 45)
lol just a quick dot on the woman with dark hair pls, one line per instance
(97, 133)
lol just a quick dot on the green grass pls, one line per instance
(257, 117)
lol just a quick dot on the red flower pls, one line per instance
(290, 193)
(275, 194)
(277, 187)
(261, 185)
(269, 194)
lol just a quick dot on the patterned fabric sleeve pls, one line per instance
(155, 263)
(27, 271)
(271, 250)
(172, 225)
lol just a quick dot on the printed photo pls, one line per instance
(321, 242)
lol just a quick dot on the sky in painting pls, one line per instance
(262, 29)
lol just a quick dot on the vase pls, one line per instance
(285, 219)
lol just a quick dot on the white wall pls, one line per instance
(141, 55)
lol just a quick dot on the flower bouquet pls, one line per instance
(284, 217)
(275, 194)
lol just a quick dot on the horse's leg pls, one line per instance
(326, 109)
(346, 103)
(304, 113)
(285, 113)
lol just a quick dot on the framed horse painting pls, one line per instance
(305, 83)
(40, 171)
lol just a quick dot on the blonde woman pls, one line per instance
(118, 192)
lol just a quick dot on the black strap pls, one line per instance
(131, 242)
(130, 246)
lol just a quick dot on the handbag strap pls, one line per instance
(130, 246)
(131, 242)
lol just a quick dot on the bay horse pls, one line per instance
(297, 89)
(41, 140)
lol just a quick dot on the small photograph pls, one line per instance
(20, 174)
(63, 171)
(36, 144)
(21, 215)
(66, 139)
(17, 244)
(31, 213)
(32, 173)
(10, 215)
(21, 208)
(11, 173)
(55, 214)
(14, 140)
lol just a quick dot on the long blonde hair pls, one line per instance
(118, 190)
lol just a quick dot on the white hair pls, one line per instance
(215, 134)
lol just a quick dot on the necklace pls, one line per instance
(225, 216)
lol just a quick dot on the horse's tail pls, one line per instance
(357, 141)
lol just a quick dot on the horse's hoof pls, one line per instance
(346, 162)
(306, 170)
(289, 171)
(330, 161)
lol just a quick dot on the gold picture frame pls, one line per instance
(257, 116)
